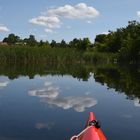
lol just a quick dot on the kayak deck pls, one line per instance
(91, 132)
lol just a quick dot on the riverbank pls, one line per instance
(21, 54)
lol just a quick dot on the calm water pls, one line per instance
(52, 103)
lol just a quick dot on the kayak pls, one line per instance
(92, 130)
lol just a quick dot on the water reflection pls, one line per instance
(3, 84)
(126, 116)
(42, 125)
(23, 117)
(48, 91)
(79, 104)
(51, 95)
(137, 102)
(122, 78)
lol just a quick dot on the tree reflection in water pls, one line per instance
(122, 78)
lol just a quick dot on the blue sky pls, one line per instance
(65, 19)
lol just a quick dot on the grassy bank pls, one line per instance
(22, 54)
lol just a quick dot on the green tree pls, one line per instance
(31, 41)
(125, 42)
(63, 43)
(85, 43)
(74, 43)
(41, 43)
(53, 43)
(11, 39)
(101, 38)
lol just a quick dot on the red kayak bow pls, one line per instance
(92, 130)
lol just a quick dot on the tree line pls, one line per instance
(31, 41)
(124, 44)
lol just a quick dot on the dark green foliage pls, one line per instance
(37, 54)
(14, 70)
(48, 54)
(122, 78)
(31, 41)
(41, 43)
(85, 43)
(124, 41)
(29, 50)
(53, 43)
(63, 44)
(100, 38)
(12, 39)
(74, 43)
(81, 44)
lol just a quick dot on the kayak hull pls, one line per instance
(92, 133)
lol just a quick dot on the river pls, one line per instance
(52, 102)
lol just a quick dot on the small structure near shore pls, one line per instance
(3, 43)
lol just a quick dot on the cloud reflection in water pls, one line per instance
(41, 125)
(3, 84)
(50, 95)
(78, 103)
(137, 102)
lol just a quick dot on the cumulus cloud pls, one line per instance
(50, 95)
(4, 29)
(138, 13)
(52, 18)
(49, 21)
(79, 11)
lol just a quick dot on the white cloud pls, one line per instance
(4, 29)
(138, 13)
(50, 95)
(52, 18)
(49, 21)
(48, 31)
(79, 11)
